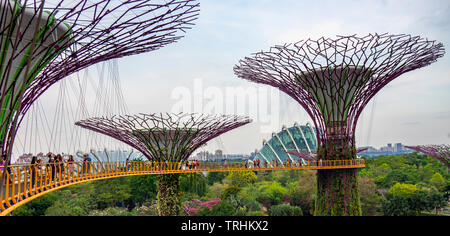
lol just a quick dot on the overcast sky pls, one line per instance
(413, 109)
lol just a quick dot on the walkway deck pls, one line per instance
(27, 182)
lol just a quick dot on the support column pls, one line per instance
(168, 198)
(337, 190)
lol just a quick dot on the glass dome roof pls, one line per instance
(298, 138)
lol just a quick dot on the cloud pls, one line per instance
(411, 123)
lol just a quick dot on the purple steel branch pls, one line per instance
(334, 79)
(164, 137)
(440, 152)
(304, 155)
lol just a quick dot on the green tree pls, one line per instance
(395, 205)
(142, 189)
(242, 178)
(369, 198)
(407, 199)
(193, 183)
(110, 192)
(302, 192)
(38, 206)
(404, 190)
(271, 193)
(437, 201)
(438, 181)
(214, 177)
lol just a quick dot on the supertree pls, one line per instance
(43, 42)
(333, 80)
(440, 152)
(165, 138)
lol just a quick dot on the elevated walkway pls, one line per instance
(27, 182)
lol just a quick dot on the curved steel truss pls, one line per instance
(440, 152)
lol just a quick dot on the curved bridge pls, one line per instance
(24, 183)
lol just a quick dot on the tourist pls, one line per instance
(86, 164)
(33, 170)
(70, 165)
(39, 167)
(2, 164)
(9, 170)
(51, 165)
(61, 166)
(56, 162)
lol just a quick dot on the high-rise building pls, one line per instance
(398, 147)
(389, 147)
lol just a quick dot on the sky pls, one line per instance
(196, 73)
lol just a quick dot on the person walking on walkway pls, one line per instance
(86, 165)
(33, 170)
(70, 165)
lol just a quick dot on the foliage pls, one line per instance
(302, 192)
(110, 192)
(148, 209)
(242, 178)
(38, 206)
(408, 200)
(270, 193)
(285, 210)
(222, 209)
(142, 189)
(113, 211)
(168, 198)
(370, 200)
(438, 181)
(404, 190)
(194, 183)
(191, 208)
(215, 177)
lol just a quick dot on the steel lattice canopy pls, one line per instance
(165, 137)
(334, 79)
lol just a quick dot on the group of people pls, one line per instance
(55, 165)
(193, 164)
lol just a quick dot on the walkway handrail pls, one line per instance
(26, 182)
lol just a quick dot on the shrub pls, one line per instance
(285, 210)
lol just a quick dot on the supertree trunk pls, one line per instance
(168, 198)
(337, 193)
(337, 190)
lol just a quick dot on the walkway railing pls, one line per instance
(26, 182)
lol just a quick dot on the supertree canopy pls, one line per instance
(44, 41)
(165, 137)
(440, 152)
(333, 80)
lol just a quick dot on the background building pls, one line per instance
(296, 138)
